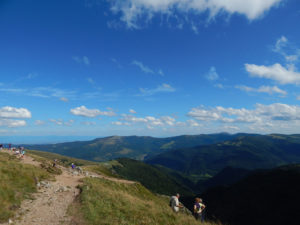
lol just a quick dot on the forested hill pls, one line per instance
(249, 152)
(136, 147)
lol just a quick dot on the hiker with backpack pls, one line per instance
(198, 209)
(175, 204)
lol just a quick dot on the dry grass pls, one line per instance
(17, 181)
(104, 202)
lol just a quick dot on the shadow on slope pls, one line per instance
(268, 197)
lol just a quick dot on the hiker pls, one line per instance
(22, 152)
(198, 209)
(175, 204)
(73, 166)
(54, 163)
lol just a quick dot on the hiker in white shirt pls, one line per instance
(175, 204)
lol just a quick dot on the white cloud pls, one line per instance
(160, 72)
(39, 122)
(287, 74)
(230, 128)
(42, 92)
(11, 112)
(135, 11)
(193, 123)
(8, 116)
(221, 86)
(152, 122)
(61, 122)
(262, 89)
(132, 111)
(63, 99)
(262, 114)
(149, 121)
(164, 88)
(89, 123)
(212, 74)
(90, 80)
(116, 62)
(82, 60)
(288, 51)
(143, 68)
(12, 123)
(275, 72)
(83, 111)
(280, 43)
(118, 123)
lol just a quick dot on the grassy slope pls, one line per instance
(110, 203)
(155, 179)
(63, 160)
(17, 182)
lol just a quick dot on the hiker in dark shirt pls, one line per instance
(198, 209)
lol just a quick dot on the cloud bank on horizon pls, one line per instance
(150, 67)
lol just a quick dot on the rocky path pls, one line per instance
(50, 204)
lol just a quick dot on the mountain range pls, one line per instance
(248, 152)
(135, 147)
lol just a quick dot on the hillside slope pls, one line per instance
(103, 202)
(155, 179)
(102, 199)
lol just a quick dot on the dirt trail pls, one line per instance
(49, 205)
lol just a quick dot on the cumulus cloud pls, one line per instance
(11, 112)
(149, 121)
(261, 114)
(152, 122)
(82, 60)
(287, 74)
(83, 111)
(9, 116)
(275, 72)
(12, 123)
(212, 74)
(262, 89)
(164, 88)
(134, 11)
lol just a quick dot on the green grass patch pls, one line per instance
(104, 202)
(17, 182)
(62, 160)
(104, 168)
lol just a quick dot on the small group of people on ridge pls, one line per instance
(19, 151)
(198, 209)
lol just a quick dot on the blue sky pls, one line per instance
(149, 67)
